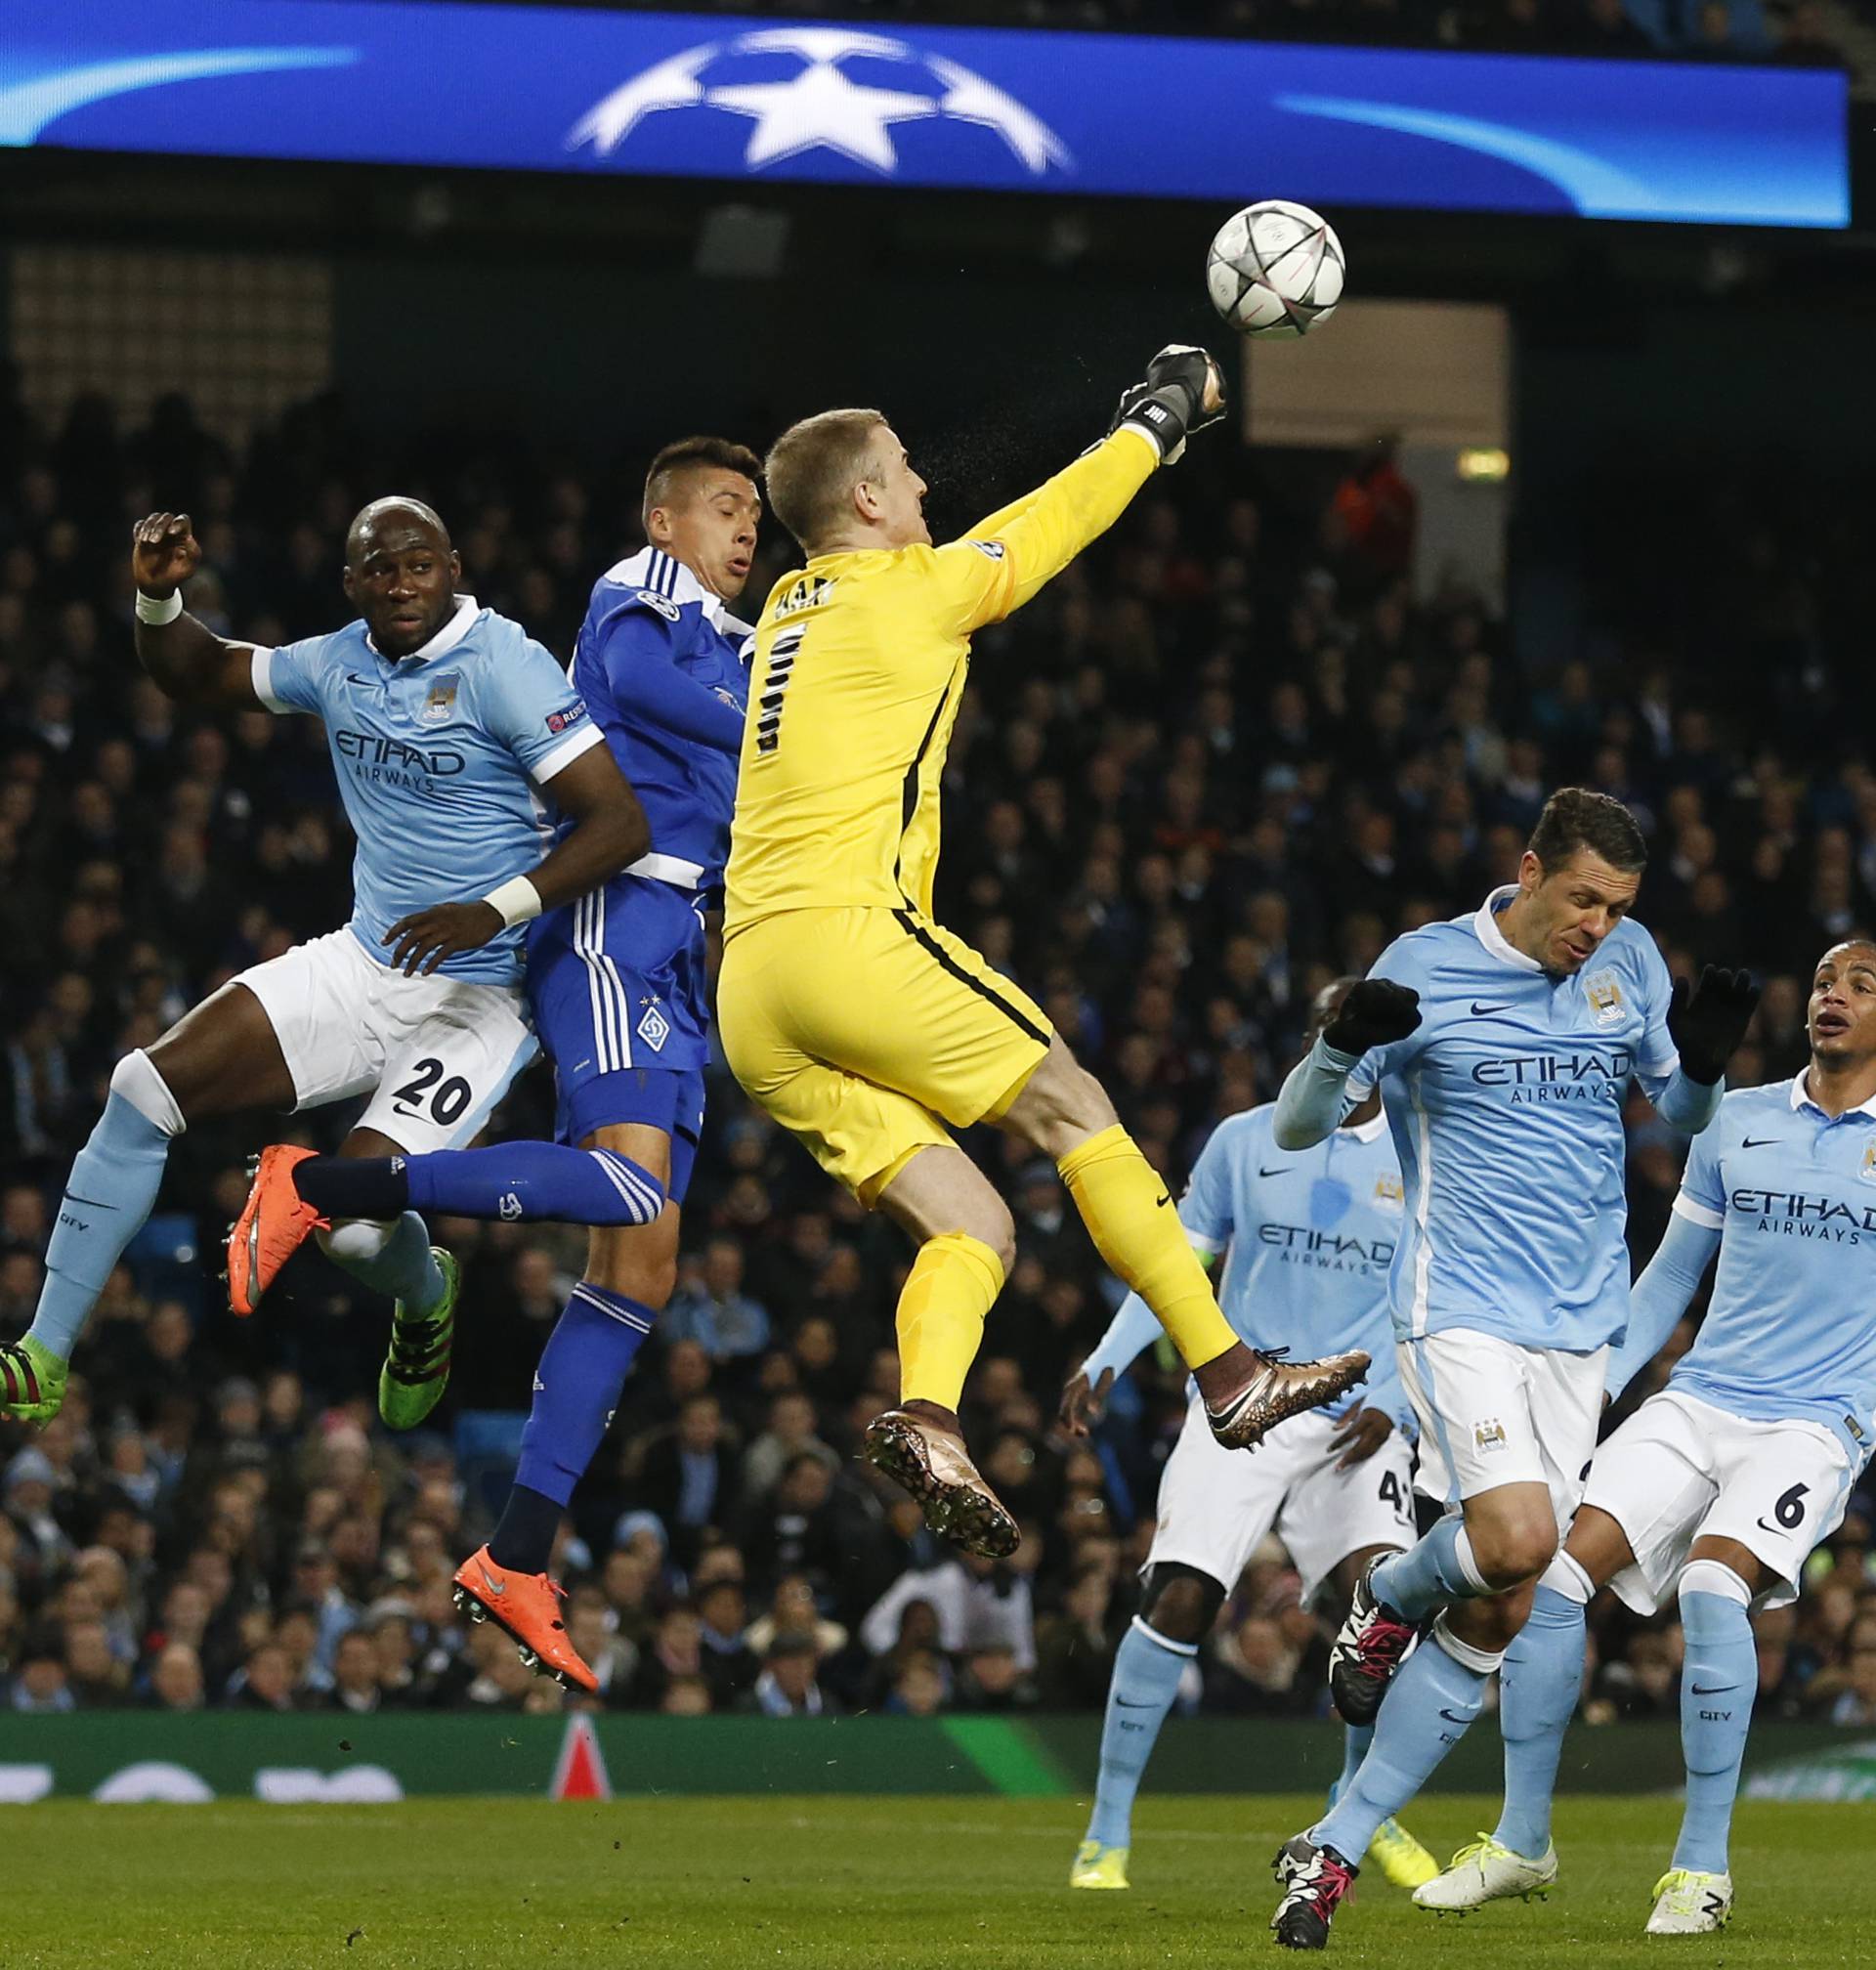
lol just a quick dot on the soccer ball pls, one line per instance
(1274, 269)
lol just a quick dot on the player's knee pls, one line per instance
(999, 1232)
(1514, 1547)
(135, 1078)
(1181, 1603)
(355, 1241)
(637, 1262)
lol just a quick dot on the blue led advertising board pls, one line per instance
(546, 89)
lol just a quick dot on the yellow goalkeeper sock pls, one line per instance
(951, 1288)
(1135, 1229)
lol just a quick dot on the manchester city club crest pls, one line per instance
(1868, 1171)
(440, 703)
(1603, 992)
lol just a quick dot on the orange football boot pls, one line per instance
(275, 1223)
(527, 1605)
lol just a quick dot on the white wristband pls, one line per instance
(157, 610)
(517, 900)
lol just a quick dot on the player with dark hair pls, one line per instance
(1502, 1044)
(865, 1027)
(445, 725)
(1711, 1497)
(1305, 1239)
(618, 987)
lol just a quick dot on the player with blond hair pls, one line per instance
(861, 1024)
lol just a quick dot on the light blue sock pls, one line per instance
(1355, 1740)
(1719, 1680)
(401, 1266)
(1538, 1689)
(109, 1198)
(1148, 1668)
(1426, 1712)
(1431, 1573)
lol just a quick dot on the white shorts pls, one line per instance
(436, 1054)
(1493, 1413)
(1679, 1470)
(1217, 1505)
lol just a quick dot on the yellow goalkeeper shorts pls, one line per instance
(864, 1031)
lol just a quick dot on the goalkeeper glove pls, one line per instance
(1375, 1013)
(1182, 392)
(1709, 1020)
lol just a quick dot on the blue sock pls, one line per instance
(1355, 1740)
(1538, 1689)
(1148, 1668)
(399, 1264)
(519, 1183)
(582, 1368)
(1431, 1573)
(109, 1198)
(1719, 1680)
(1423, 1715)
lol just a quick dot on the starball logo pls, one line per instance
(832, 89)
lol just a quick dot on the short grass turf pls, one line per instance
(858, 1884)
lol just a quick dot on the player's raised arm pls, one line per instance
(186, 657)
(1029, 542)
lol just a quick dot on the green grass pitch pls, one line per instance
(856, 1884)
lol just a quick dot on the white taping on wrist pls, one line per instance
(157, 610)
(517, 900)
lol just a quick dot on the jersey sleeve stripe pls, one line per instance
(582, 739)
(261, 670)
(1696, 1213)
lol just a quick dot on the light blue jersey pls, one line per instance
(439, 755)
(1308, 1236)
(1506, 1106)
(1790, 1333)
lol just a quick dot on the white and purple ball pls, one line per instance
(1274, 269)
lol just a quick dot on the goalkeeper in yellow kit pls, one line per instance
(861, 1024)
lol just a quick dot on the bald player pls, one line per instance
(448, 729)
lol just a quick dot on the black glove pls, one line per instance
(1376, 1011)
(1170, 405)
(1707, 1022)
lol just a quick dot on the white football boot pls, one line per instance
(1487, 1871)
(1688, 1903)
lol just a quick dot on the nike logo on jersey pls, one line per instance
(1262, 1171)
(1122, 1703)
(1760, 1141)
(1453, 1717)
(1163, 1203)
(1479, 1011)
(1714, 1689)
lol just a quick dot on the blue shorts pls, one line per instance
(616, 982)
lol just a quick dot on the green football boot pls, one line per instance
(33, 1381)
(416, 1369)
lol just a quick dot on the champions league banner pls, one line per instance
(694, 96)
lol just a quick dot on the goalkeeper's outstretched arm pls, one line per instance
(1038, 536)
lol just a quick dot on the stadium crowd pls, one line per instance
(1224, 759)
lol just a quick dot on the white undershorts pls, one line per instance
(435, 1054)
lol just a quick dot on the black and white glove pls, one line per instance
(1709, 1020)
(1375, 1013)
(1170, 402)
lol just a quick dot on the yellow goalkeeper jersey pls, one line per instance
(860, 664)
